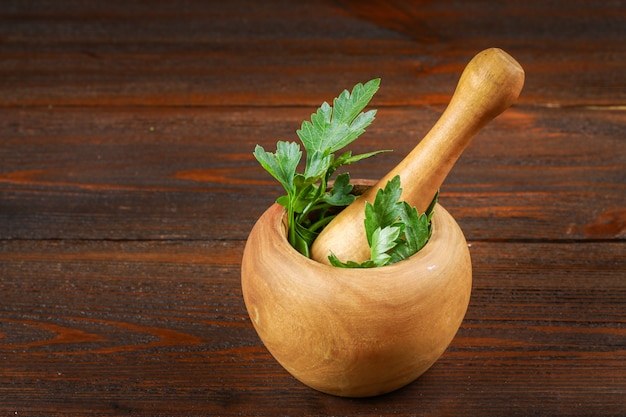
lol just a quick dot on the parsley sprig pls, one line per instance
(394, 229)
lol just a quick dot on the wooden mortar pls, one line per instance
(355, 332)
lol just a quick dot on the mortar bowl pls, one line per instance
(355, 332)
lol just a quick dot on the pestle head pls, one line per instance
(490, 83)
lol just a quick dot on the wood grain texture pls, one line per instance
(128, 189)
(155, 328)
(154, 54)
(103, 173)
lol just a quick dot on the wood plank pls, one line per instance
(174, 173)
(160, 328)
(208, 54)
(128, 188)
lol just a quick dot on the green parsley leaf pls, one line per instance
(317, 164)
(385, 209)
(332, 129)
(347, 106)
(383, 240)
(340, 195)
(334, 261)
(282, 164)
(417, 227)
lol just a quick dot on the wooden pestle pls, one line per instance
(490, 83)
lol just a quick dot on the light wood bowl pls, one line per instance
(355, 332)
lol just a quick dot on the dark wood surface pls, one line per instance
(128, 188)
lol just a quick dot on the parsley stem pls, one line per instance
(321, 223)
(291, 225)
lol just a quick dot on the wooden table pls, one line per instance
(128, 188)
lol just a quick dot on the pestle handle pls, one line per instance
(490, 83)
